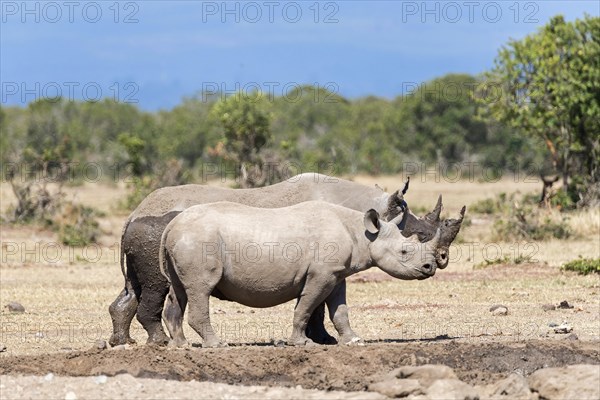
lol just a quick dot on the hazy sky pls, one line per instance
(156, 52)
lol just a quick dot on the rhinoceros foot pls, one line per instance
(300, 341)
(158, 340)
(116, 340)
(352, 341)
(321, 337)
(212, 344)
(178, 343)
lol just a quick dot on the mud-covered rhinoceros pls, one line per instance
(264, 257)
(145, 287)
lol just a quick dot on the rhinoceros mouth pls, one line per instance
(428, 270)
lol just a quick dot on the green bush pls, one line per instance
(495, 261)
(520, 259)
(531, 225)
(562, 200)
(485, 206)
(583, 266)
(520, 217)
(77, 225)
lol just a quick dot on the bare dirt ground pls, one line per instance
(318, 367)
(443, 320)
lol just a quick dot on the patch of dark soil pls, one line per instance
(319, 367)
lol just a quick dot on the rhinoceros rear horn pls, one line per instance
(434, 215)
(372, 221)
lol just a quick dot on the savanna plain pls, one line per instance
(54, 348)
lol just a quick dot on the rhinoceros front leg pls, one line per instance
(316, 289)
(315, 330)
(338, 313)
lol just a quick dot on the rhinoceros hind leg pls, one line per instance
(149, 314)
(198, 293)
(122, 311)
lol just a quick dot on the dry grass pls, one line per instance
(586, 223)
(67, 299)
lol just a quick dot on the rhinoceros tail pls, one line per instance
(122, 251)
(162, 255)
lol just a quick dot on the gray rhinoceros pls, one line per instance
(240, 252)
(145, 288)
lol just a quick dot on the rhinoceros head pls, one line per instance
(400, 256)
(426, 227)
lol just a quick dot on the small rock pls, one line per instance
(499, 309)
(121, 347)
(13, 306)
(564, 305)
(563, 328)
(100, 379)
(572, 337)
(101, 345)
(398, 388)
(279, 343)
(70, 396)
(2, 348)
(548, 307)
(552, 324)
(49, 377)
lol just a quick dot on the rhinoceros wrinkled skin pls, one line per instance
(146, 288)
(264, 257)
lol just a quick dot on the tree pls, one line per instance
(186, 130)
(550, 89)
(245, 123)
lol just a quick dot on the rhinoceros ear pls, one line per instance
(405, 189)
(372, 221)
